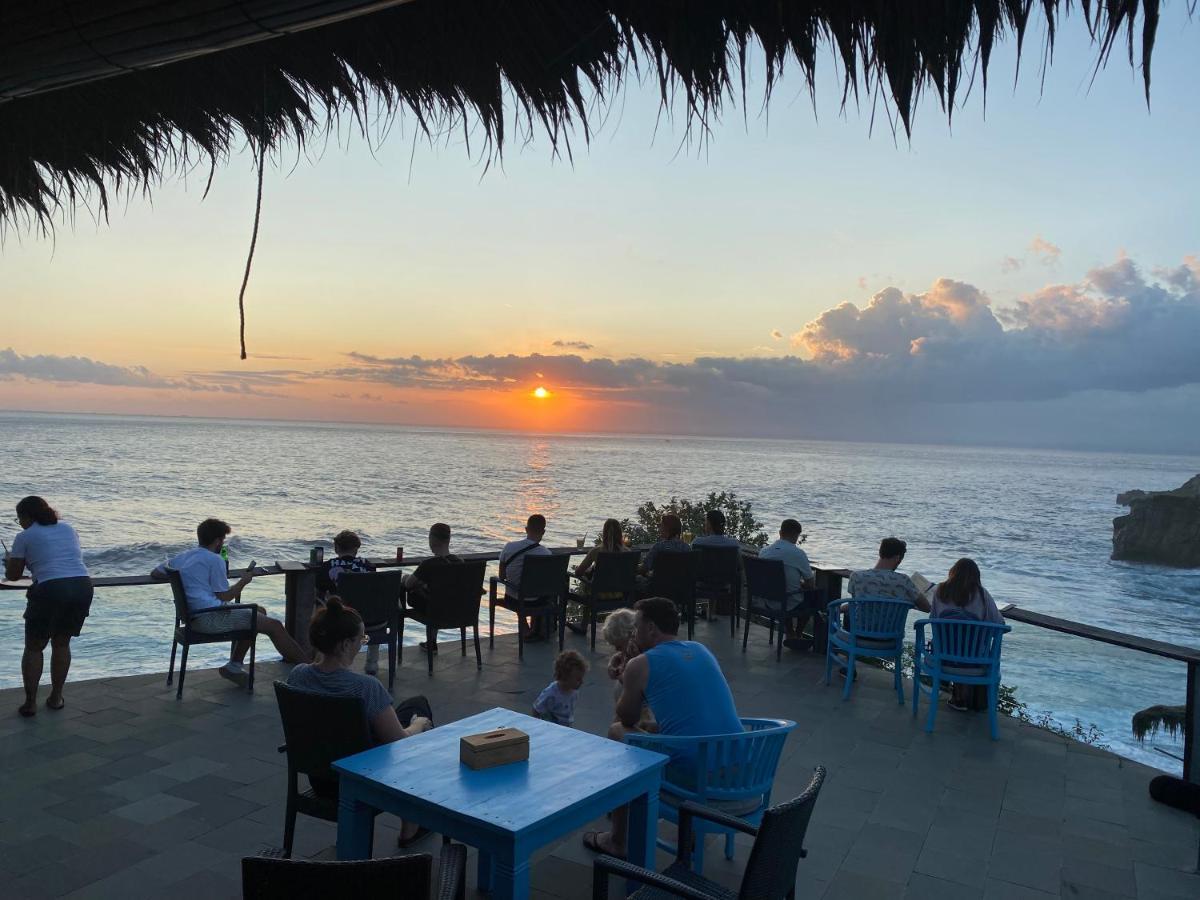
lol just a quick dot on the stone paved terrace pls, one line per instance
(129, 793)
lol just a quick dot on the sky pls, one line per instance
(1029, 275)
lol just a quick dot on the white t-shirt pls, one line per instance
(203, 574)
(50, 552)
(512, 570)
(796, 566)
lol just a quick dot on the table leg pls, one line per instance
(356, 823)
(510, 876)
(643, 832)
(483, 871)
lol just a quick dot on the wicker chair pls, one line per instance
(453, 602)
(615, 574)
(770, 871)
(720, 580)
(318, 729)
(403, 877)
(539, 595)
(183, 635)
(674, 577)
(376, 597)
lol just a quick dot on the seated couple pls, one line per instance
(681, 682)
(337, 634)
(211, 599)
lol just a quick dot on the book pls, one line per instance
(924, 585)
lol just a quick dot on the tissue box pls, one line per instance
(498, 747)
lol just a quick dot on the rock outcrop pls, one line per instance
(1161, 527)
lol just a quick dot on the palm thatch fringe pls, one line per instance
(550, 64)
(1157, 718)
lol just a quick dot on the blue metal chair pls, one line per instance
(731, 773)
(873, 626)
(961, 651)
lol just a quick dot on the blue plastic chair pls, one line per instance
(961, 651)
(731, 773)
(874, 626)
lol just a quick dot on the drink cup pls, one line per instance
(316, 556)
(688, 537)
(578, 543)
(399, 554)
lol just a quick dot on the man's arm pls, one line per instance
(159, 573)
(633, 690)
(235, 592)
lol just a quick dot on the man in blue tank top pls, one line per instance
(683, 684)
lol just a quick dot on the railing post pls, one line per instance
(300, 598)
(1191, 726)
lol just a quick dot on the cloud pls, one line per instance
(862, 282)
(1113, 330)
(572, 345)
(1047, 252)
(1010, 264)
(83, 370)
(777, 334)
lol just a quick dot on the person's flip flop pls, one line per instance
(591, 840)
(27, 710)
(61, 704)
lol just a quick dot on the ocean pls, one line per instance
(1039, 523)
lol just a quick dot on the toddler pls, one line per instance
(619, 629)
(557, 702)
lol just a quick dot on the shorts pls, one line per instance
(227, 617)
(57, 608)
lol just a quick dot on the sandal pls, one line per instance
(61, 704)
(591, 841)
(27, 710)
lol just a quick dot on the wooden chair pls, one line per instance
(611, 585)
(376, 597)
(453, 602)
(540, 593)
(183, 635)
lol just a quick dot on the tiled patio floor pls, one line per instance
(128, 793)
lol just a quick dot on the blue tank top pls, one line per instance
(687, 691)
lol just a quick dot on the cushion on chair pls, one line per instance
(875, 643)
(742, 807)
(969, 671)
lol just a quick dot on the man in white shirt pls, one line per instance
(512, 563)
(797, 573)
(210, 600)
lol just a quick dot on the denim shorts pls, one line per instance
(57, 608)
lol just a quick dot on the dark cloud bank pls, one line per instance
(1110, 362)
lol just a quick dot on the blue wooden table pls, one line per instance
(507, 812)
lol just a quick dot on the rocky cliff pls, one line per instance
(1161, 527)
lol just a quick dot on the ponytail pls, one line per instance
(37, 509)
(333, 624)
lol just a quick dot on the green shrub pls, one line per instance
(739, 518)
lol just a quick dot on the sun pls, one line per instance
(540, 392)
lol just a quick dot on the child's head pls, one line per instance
(569, 669)
(346, 543)
(619, 628)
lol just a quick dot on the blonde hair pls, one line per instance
(619, 627)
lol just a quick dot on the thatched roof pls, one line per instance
(104, 95)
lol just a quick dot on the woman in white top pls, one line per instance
(57, 603)
(962, 595)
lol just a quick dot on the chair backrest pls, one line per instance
(766, 581)
(771, 869)
(453, 591)
(963, 642)
(719, 565)
(878, 618)
(178, 595)
(674, 575)
(615, 572)
(373, 595)
(544, 576)
(404, 877)
(726, 766)
(320, 729)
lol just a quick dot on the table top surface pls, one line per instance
(565, 767)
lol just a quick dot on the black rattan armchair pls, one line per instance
(184, 636)
(394, 878)
(610, 585)
(770, 872)
(452, 601)
(539, 595)
(376, 597)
